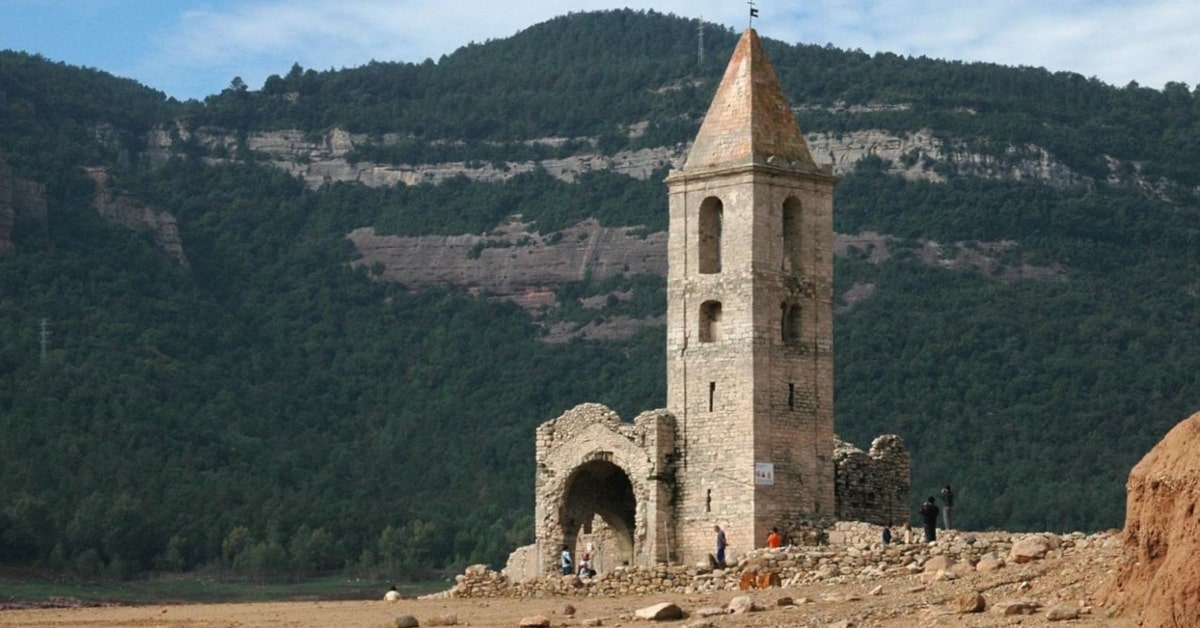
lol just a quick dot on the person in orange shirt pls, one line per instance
(774, 539)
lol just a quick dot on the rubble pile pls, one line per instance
(953, 555)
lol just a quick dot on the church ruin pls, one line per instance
(747, 439)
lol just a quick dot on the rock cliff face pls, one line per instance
(513, 263)
(1160, 576)
(123, 208)
(322, 159)
(526, 267)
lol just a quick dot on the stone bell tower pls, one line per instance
(750, 318)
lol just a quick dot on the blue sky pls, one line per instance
(193, 48)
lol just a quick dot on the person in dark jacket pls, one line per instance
(929, 515)
(721, 544)
(947, 507)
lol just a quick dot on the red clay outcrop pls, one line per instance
(1159, 576)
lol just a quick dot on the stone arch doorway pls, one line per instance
(602, 479)
(599, 510)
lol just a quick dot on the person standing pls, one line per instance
(585, 566)
(947, 507)
(565, 560)
(887, 535)
(774, 539)
(929, 516)
(721, 544)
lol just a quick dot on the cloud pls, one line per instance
(1152, 41)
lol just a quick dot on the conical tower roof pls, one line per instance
(749, 120)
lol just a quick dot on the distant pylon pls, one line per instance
(700, 42)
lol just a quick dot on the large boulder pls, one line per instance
(1159, 575)
(663, 611)
(1029, 549)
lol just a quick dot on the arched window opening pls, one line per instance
(710, 321)
(792, 231)
(711, 217)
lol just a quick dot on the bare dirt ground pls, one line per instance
(901, 601)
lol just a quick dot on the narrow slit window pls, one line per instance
(791, 396)
(712, 393)
(711, 218)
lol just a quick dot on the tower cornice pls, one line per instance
(813, 172)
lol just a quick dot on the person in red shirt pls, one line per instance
(774, 539)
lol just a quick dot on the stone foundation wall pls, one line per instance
(860, 558)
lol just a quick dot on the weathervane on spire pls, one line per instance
(753, 12)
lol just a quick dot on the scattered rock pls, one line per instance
(1029, 549)
(568, 610)
(663, 611)
(970, 603)
(784, 601)
(534, 621)
(710, 611)
(1061, 612)
(442, 620)
(989, 563)
(742, 604)
(938, 563)
(592, 621)
(405, 621)
(941, 575)
(1021, 607)
(878, 590)
(962, 568)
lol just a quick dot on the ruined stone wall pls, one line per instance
(522, 564)
(873, 486)
(590, 464)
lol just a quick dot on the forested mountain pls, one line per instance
(1020, 305)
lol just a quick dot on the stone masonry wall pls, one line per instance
(874, 486)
